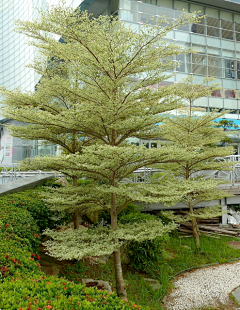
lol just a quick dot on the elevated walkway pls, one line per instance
(23, 183)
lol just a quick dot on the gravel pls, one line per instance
(204, 287)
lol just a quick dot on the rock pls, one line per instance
(62, 181)
(98, 259)
(155, 284)
(236, 294)
(99, 284)
(51, 270)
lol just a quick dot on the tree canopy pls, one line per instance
(96, 87)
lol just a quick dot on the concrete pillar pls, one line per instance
(224, 215)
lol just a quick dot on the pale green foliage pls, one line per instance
(97, 85)
(76, 244)
(206, 213)
(105, 70)
(195, 133)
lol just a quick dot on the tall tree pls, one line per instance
(108, 70)
(195, 132)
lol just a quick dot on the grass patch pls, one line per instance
(178, 255)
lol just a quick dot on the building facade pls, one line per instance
(15, 55)
(215, 40)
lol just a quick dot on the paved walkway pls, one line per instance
(206, 287)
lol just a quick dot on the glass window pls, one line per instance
(213, 32)
(213, 26)
(229, 93)
(214, 61)
(237, 28)
(181, 65)
(227, 25)
(198, 27)
(229, 69)
(227, 31)
(226, 34)
(216, 93)
(238, 70)
(214, 71)
(199, 64)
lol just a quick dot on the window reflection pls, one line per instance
(229, 69)
(230, 93)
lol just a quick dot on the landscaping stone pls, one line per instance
(98, 259)
(236, 294)
(234, 244)
(155, 284)
(51, 270)
(62, 181)
(99, 284)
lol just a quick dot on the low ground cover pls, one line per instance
(20, 269)
(19, 263)
(178, 255)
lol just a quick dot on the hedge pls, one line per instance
(23, 286)
(47, 292)
(32, 201)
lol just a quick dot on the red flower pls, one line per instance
(6, 225)
(7, 256)
(38, 257)
(48, 282)
(64, 283)
(12, 201)
(20, 204)
(36, 235)
(65, 288)
(49, 306)
(33, 254)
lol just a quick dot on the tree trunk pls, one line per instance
(74, 179)
(195, 229)
(76, 220)
(121, 289)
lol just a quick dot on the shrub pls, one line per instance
(19, 223)
(15, 257)
(143, 256)
(33, 202)
(40, 292)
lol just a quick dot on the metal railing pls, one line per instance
(141, 175)
(13, 173)
(231, 177)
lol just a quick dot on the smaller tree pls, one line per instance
(226, 124)
(195, 132)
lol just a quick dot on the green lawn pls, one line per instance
(179, 254)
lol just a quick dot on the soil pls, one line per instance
(234, 244)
